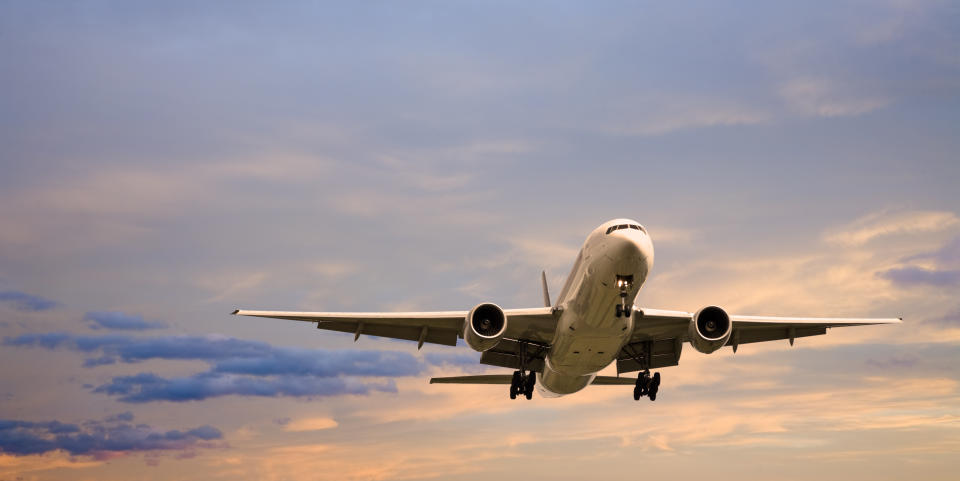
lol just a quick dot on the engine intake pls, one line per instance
(484, 326)
(710, 329)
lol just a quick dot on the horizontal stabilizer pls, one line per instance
(507, 379)
(483, 379)
(614, 381)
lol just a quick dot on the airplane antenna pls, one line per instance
(546, 293)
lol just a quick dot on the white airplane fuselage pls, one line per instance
(589, 334)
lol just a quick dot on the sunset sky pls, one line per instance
(164, 163)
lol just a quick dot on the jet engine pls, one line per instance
(484, 326)
(710, 329)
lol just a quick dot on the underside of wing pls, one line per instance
(438, 327)
(748, 329)
(658, 334)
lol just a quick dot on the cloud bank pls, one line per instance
(99, 439)
(237, 366)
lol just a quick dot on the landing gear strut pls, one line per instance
(523, 380)
(624, 283)
(647, 386)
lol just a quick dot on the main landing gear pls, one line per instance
(522, 383)
(647, 386)
(624, 283)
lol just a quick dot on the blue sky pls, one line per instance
(166, 163)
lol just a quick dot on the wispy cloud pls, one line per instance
(120, 321)
(919, 276)
(821, 97)
(310, 424)
(26, 302)
(886, 223)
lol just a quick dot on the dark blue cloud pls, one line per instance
(229, 355)
(96, 438)
(237, 366)
(147, 387)
(309, 362)
(26, 302)
(917, 276)
(121, 321)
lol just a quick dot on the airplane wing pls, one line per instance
(534, 325)
(658, 335)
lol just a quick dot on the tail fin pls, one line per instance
(546, 293)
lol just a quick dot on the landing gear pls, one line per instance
(624, 283)
(522, 383)
(647, 386)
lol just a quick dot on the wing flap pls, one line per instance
(663, 353)
(446, 337)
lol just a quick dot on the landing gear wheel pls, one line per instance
(528, 386)
(642, 388)
(515, 384)
(619, 310)
(654, 386)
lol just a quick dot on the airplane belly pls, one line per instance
(590, 334)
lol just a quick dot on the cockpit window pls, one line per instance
(626, 226)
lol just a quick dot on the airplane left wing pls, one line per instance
(658, 335)
(436, 327)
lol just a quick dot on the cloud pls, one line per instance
(229, 355)
(951, 318)
(663, 114)
(463, 359)
(918, 276)
(948, 254)
(824, 98)
(238, 367)
(99, 439)
(147, 387)
(26, 302)
(881, 224)
(121, 322)
(310, 424)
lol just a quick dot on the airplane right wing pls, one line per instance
(535, 325)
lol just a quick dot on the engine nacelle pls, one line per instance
(710, 329)
(484, 326)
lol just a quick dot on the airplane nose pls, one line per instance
(634, 244)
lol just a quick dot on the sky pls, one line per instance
(164, 163)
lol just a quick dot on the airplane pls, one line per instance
(559, 348)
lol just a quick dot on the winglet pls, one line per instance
(234, 313)
(546, 293)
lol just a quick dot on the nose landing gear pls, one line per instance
(624, 283)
